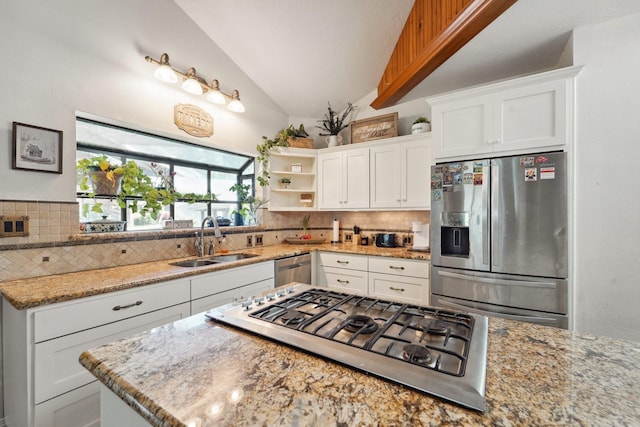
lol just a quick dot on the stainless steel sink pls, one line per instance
(195, 262)
(231, 257)
(217, 259)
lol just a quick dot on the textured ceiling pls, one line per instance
(303, 53)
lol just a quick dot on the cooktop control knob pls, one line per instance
(290, 290)
(280, 292)
(271, 297)
(259, 300)
(246, 304)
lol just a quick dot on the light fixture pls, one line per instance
(215, 95)
(235, 105)
(164, 72)
(192, 83)
(195, 84)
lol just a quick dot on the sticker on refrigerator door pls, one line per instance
(527, 161)
(457, 178)
(531, 174)
(436, 195)
(541, 159)
(477, 179)
(436, 181)
(547, 173)
(467, 179)
(477, 167)
(448, 179)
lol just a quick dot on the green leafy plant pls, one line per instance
(333, 122)
(250, 203)
(129, 182)
(421, 119)
(285, 180)
(305, 225)
(270, 145)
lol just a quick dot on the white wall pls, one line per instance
(63, 56)
(607, 199)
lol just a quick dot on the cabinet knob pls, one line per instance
(122, 307)
(396, 289)
(342, 281)
(393, 267)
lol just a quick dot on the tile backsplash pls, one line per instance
(56, 246)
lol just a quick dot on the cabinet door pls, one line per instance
(355, 178)
(399, 288)
(416, 158)
(330, 181)
(79, 407)
(462, 128)
(341, 279)
(531, 117)
(384, 177)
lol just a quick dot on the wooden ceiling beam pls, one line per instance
(434, 31)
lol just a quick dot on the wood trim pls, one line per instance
(421, 50)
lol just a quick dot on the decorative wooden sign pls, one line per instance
(373, 128)
(193, 120)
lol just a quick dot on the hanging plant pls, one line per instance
(270, 145)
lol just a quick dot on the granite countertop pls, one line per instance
(34, 292)
(536, 375)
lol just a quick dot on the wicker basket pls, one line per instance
(300, 142)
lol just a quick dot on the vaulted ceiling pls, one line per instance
(303, 53)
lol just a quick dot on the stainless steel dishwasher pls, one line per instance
(293, 269)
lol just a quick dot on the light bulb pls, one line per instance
(216, 97)
(166, 74)
(191, 84)
(235, 105)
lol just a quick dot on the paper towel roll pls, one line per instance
(417, 226)
(335, 238)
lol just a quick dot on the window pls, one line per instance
(193, 168)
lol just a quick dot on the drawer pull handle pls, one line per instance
(393, 267)
(396, 289)
(342, 262)
(122, 307)
(342, 281)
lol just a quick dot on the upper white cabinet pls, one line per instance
(400, 171)
(343, 179)
(520, 115)
(299, 165)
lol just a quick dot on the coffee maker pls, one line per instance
(420, 236)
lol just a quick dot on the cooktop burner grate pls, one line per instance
(436, 339)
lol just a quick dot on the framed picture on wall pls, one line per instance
(36, 148)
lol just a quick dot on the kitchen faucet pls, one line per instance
(200, 239)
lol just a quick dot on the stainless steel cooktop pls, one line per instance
(439, 352)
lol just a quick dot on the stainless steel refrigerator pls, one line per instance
(499, 237)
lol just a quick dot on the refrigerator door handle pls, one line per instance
(485, 217)
(506, 282)
(495, 215)
(503, 315)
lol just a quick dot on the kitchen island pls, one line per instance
(198, 373)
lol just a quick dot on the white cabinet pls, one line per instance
(396, 279)
(44, 383)
(404, 280)
(527, 114)
(343, 272)
(343, 179)
(400, 173)
(236, 284)
(299, 165)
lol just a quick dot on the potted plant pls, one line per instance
(282, 139)
(250, 205)
(421, 125)
(99, 177)
(305, 225)
(333, 123)
(285, 181)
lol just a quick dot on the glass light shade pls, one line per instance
(216, 97)
(236, 106)
(166, 74)
(192, 86)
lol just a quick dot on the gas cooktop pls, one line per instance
(439, 352)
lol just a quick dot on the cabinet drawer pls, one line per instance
(344, 280)
(56, 364)
(213, 283)
(405, 289)
(352, 262)
(73, 316)
(79, 407)
(398, 266)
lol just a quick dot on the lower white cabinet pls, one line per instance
(45, 385)
(397, 279)
(236, 284)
